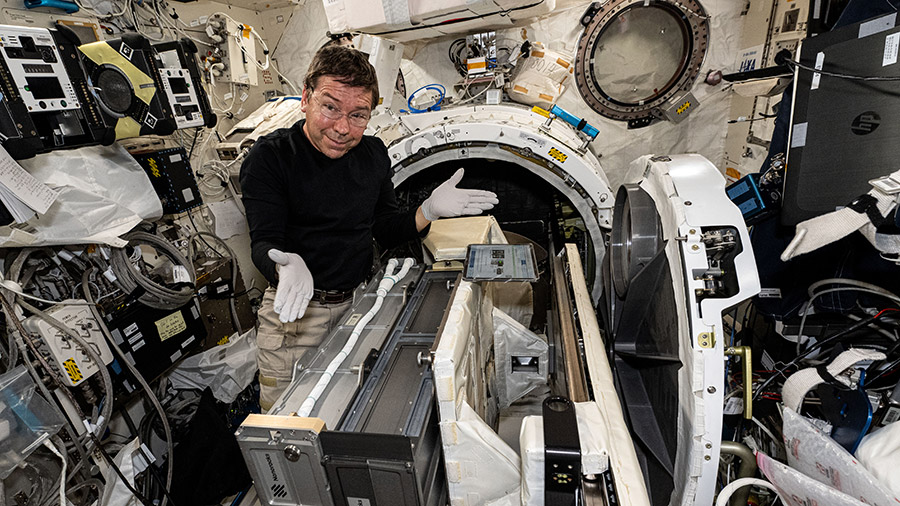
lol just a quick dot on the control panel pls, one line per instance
(37, 69)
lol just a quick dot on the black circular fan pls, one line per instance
(113, 89)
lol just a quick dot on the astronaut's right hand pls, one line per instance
(295, 285)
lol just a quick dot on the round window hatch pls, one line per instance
(637, 59)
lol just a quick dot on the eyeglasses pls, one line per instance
(330, 111)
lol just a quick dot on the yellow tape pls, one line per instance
(520, 89)
(562, 63)
(143, 85)
(544, 96)
(537, 54)
(543, 112)
(127, 127)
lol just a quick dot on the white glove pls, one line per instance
(447, 200)
(295, 285)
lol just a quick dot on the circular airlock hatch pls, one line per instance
(635, 56)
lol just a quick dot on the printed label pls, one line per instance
(734, 406)
(770, 293)
(891, 45)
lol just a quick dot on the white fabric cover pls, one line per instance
(448, 239)
(880, 453)
(472, 450)
(541, 78)
(594, 454)
(822, 230)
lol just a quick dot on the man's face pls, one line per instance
(336, 116)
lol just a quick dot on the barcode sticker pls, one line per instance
(816, 77)
(891, 47)
(734, 406)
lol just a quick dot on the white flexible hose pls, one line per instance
(729, 489)
(62, 476)
(387, 282)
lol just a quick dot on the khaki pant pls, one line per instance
(282, 344)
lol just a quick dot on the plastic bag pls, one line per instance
(227, 369)
(26, 419)
(521, 357)
(818, 456)
(103, 193)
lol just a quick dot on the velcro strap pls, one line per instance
(868, 205)
(822, 369)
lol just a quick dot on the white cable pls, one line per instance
(62, 475)
(16, 288)
(240, 43)
(288, 81)
(766, 431)
(854, 285)
(729, 489)
(473, 97)
(387, 282)
(99, 14)
(852, 282)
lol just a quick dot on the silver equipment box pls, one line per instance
(384, 446)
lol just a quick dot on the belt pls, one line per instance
(331, 296)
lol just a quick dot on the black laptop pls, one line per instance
(844, 132)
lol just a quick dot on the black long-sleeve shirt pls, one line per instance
(327, 211)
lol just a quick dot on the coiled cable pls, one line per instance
(155, 295)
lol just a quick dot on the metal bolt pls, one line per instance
(693, 231)
(695, 247)
(292, 453)
(709, 446)
(711, 390)
(707, 457)
(687, 202)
